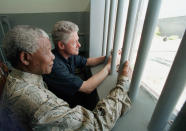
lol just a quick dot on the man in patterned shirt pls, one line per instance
(29, 51)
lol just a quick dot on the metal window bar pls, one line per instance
(179, 122)
(140, 16)
(112, 19)
(106, 22)
(3, 33)
(4, 21)
(173, 88)
(119, 32)
(131, 18)
(144, 46)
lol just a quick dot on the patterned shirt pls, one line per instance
(34, 105)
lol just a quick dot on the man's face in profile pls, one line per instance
(42, 60)
(73, 45)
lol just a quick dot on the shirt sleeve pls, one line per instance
(54, 114)
(45, 112)
(80, 61)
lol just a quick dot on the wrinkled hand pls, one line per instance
(118, 60)
(109, 63)
(126, 71)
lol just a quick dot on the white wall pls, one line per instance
(97, 8)
(40, 6)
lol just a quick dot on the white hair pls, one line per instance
(62, 31)
(22, 38)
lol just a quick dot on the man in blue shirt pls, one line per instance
(62, 81)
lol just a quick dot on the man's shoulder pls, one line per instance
(17, 83)
(58, 57)
(58, 61)
(79, 61)
(78, 57)
(16, 87)
(58, 67)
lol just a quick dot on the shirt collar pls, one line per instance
(26, 76)
(55, 51)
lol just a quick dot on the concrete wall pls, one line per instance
(45, 13)
(47, 20)
(43, 6)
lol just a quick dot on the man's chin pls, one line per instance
(77, 53)
(48, 72)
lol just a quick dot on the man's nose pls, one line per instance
(53, 56)
(78, 44)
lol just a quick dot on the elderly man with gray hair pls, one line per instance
(29, 51)
(62, 81)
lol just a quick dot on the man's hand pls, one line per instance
(108, 65)
(118, 56)
(126, 71)
(118, 60)
(124, 76)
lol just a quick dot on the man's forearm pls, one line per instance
(95, 61)
(114, 105)
(103, 117)
(92, 83)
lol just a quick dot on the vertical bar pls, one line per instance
(179, 122)
(6, 21)
(173, 88)
(145, 43)
(112, 18)
(131, 17)
(136, 28)
(3, 34)
(2, 29)
(119, 32)
(105, 32)
(96, 27)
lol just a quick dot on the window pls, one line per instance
(165, 43)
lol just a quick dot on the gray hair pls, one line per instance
(62, 31)
(21, 38)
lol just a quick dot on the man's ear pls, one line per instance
(25, 58)
(60, 45)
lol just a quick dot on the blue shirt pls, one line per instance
(65, 84)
